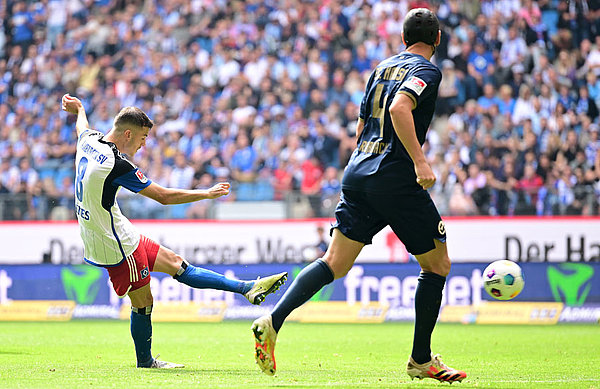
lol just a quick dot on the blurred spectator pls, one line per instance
(311, 184)
(330, 190)
(322, 244)
(481, 65)
(450, 93)
(475, 186)
(182, 174)
(527, 189)
(244, 160)
(488, 98)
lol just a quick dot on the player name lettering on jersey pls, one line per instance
(373, 147)
(394, 73)
(82, 213)
(95, 154)
(415, 84)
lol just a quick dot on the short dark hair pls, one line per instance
(132, 116)
(420, 25)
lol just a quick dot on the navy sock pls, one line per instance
(308, 282)
(428, 298)
(200, 278)
(141, 332)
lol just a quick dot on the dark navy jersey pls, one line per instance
(380, 163)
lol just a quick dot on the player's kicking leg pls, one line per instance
(336, 263)
(196, 277)
(422, 363)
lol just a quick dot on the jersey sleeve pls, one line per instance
(421, 84)
(128, 176)
(365, 100)
(88, 132)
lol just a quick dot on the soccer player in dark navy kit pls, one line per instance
(385, 183)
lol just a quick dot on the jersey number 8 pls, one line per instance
(81, 167)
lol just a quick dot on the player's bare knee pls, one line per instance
(141, 300)
(338, 268)
(176, 261)
(173, 263)
(439, 266)
(339, 271)
(443, 267)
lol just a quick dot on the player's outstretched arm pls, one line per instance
(167, 196)
(73, 105)
(402, 119)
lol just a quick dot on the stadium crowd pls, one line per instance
(265, 94)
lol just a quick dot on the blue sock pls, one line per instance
(308, 282)
(200, 278)
(428, 298)
(141, 332)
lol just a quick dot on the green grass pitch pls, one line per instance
(99, 354)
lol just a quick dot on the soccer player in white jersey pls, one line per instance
(111, 241)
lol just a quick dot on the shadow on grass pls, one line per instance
(188, 371)
(2, 352)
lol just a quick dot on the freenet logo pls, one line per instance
(570, 282)
(81, 283)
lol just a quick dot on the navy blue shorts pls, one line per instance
(413, 218)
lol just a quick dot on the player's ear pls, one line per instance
(403, 41)
(439, 38)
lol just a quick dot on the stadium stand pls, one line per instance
(266, 93)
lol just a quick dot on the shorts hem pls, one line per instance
(138, 286)
(443, 240)
(349, 235)
(123, 296)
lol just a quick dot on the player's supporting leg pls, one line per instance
(141, 329)
(435, 266)
(196, 277)
(336, 263)
(308, 282)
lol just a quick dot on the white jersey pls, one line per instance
(101, 170)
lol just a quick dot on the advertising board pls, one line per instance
(522, 239)
(370, 292)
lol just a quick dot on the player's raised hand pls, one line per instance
(71, 104)
(220, 189)
(425, 176)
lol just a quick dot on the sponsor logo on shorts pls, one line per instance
(144, 272)
(143, 179)
(441, 228)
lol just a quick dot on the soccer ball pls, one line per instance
(503, 280)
